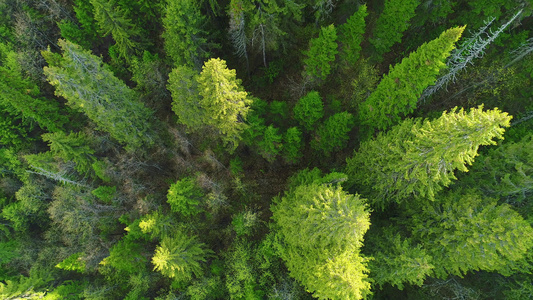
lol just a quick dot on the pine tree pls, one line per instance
(351, 35)
(309, 109)
(466, 232)
(184, 38)
(418, 158)
(392, 23)
(179, 257)
(91, 88)
(397, 94)
(224, 100)
(320, 230)
(321, 54)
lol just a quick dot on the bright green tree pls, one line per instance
(184, 197)
(224, 100)
(333, 134)
(89, 86)
(398, 92)
(184, 38)
(466, 232)
(351, 35)
(392, 23)
(321, 53)
(320, 229)
(309, 109)
(418, 158)
(180, 256)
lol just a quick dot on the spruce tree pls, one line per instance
(185, 41)
(464, 232)
(392, 23)
(333, 135)
(320, 229)
(90, 87)
(309, 109)
(224, 100)
(397, 94)
(351, 35)
(72, 147)
(321, 54)
(417, 158)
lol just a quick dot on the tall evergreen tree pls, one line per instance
(351, 35)
(321, 53)
(89, 86)
(392, 23)
(398, 92)
(466, 232)
(184, 37)
(72, 147)
(418, 158)
(320, 230)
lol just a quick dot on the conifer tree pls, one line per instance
(270, 145)
(184, 38)
(466, 232)
(224, 100)
(321, 53)
(19, 96)
(292, 143)
(179, 257)
(320, 230)
(184, 197)
(392, 23)
(418, 158)
(183, 85)
(112, 20)
(89, 86)
(73, 147)
(397, 94)
(351, 35)
(333, 134)
(309, 109)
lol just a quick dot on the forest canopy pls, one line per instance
(266, 149)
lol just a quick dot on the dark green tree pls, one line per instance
(270, 145)
(392, 23)
(292, 144)
(333, 135)
(72, 147)
(309, 109)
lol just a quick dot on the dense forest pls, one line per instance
(266, 149)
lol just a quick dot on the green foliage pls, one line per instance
(292, 144)
(206, 288)
(321, 53)
(180, 256)
(20, 96)
(72, 147)
(73, 263)
(309, 109)
(321, 229)
(105, 193)
(185, 41)
(127, 257)
(506, 172)
(91, 88)
(466, 232)
(397, 94)
(185, 197)
(29, 209)
(422, 156)
(351, 35)
(392, 23)
(26, 286)
(71, 290)
(224, 100)
(112, 19)
(270, 145)
(241, 279)
(397, 262)
(333, 134)
(70, 31)
(183, 86)
(85, 14)
(244, 222)
(100, 170)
